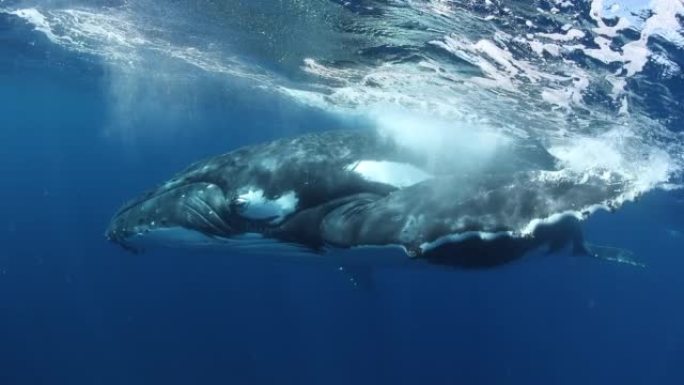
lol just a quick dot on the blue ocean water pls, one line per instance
(74, 309)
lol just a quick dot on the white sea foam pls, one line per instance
(570, 34)
(115, 35)
(634, 55)
(38, 20)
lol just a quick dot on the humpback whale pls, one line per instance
(352, 189)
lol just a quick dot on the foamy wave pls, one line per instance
(114, 35)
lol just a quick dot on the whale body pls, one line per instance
(353, 189)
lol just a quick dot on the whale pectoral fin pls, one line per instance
(359, 276)
(612, 254)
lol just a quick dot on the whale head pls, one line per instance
(191, 211)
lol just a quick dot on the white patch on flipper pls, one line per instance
(258, 207)
(553, 219)
(396, 174)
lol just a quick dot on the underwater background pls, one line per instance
(99, 100)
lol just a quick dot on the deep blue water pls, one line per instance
(75, 309)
